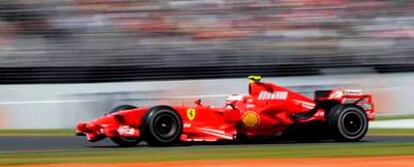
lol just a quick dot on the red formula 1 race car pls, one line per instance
(267, 111)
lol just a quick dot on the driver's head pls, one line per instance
(254, 78)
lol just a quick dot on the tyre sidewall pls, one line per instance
(336, 122)
(148, 126)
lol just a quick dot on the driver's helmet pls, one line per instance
(254, 81)
(254, 78)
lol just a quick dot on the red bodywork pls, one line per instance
(267, 110)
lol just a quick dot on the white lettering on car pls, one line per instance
(278, 95)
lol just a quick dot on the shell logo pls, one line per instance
(250, 119)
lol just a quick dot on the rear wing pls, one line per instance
(348, 96)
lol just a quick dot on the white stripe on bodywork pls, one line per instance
(306, 106)
(212, 130)
(218, 135)
(304, 102)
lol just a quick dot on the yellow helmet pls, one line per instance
(254, 78)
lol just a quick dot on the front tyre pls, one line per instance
(161, 126)
(347, 123)
(124, 142)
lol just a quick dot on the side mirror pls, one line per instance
(198, 102)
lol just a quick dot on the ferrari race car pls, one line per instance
(268, 110)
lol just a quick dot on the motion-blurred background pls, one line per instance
(49, 47)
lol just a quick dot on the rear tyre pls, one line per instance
(124, 142)
(347, 123)
(161, 126)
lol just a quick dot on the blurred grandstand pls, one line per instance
(62, 41)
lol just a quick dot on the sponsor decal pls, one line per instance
(353, 92)
(348, 92)
(367, 106)
(250, 119)
(187, 125)
(250, 105)
(191, 114)
(278, 95)
(126, 131)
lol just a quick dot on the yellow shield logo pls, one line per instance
(250, 119)
(191, 113)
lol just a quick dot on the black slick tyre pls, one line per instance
(161, 126)
(347, 123)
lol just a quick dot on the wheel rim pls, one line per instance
(165, 126)
(352, 123)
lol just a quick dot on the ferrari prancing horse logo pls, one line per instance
(191, 113)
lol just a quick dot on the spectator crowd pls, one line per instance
(179, 33)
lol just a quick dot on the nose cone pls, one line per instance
(81, 127)
(86, 127)
(91, 131)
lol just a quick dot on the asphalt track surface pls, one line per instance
(47, 143)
